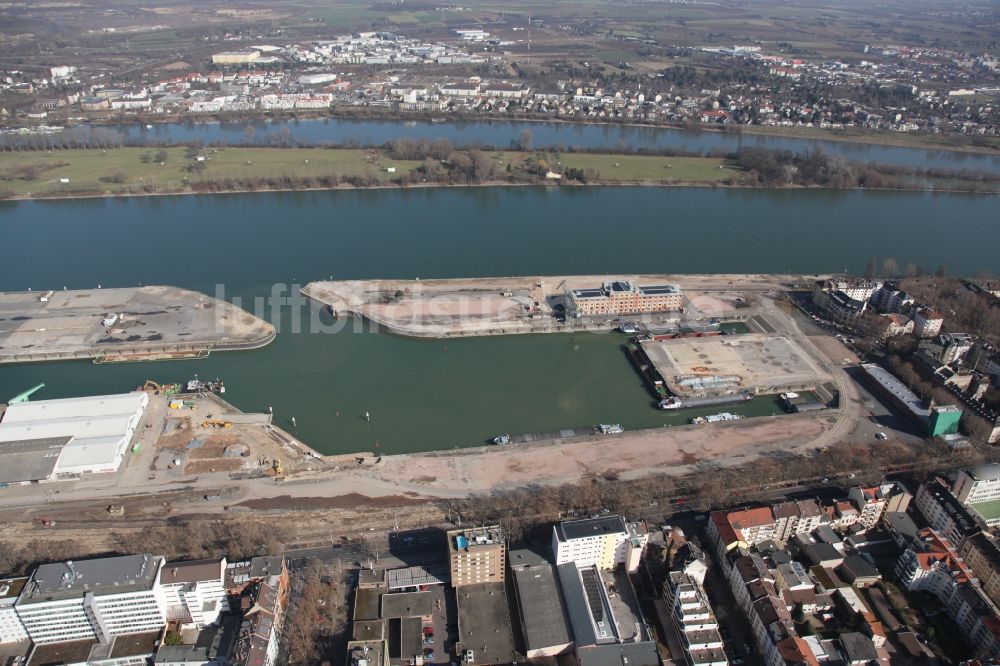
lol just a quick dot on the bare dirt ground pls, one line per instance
(630, 455)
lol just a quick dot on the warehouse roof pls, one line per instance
(80, 428)
(539, 600)
(91, 451)
(30, 459)
(74, 408)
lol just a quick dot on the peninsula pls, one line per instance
(116, 325)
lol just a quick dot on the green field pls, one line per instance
(86, 168)
(136, 170)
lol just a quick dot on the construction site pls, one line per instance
(724, 365)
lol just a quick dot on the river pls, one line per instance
(543, 134)
(425, 395)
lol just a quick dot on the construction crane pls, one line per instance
(216, 423)
(23, 397)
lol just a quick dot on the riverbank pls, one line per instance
(956, 144)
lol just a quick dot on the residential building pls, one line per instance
(944, 513)
(954, 347)
(840, 308)
(621, 297)
(934, 566)
(477, 555)
(11, 628)
(927, 323)
(93, 599)
(871, 502)
(263, 599)
(694, 620)
(982, 553)
(195, 591)
(605, 542)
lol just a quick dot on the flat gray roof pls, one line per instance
(539, 601)
(192, 571)
(30, 459)
(888, 382)
(417, 576)
(106, 575)
(632, 654)
(407, 604)
(484, 623)
(590, 527)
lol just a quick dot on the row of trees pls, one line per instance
(522, 510)
(190, 539)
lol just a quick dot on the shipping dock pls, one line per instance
(565, 433)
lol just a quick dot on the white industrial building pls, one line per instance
(66, 438)
(93, 599)
(603, 542)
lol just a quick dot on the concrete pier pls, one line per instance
(531, 304)
(119, 325)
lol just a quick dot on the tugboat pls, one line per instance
(212, 386)
(610, 428)
(672, 402)
(501, 440)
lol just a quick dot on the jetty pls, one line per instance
(121, 325)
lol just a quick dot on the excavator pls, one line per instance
(216, 423)
(156, 387)
(278, 467)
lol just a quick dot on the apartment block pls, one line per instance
(982, 553)
(694, 620)
(933, 565)
(944, 513)
(477, 555)
(604, 542)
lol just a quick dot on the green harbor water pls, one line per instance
(423, 394)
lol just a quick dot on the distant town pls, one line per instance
(883, 87)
